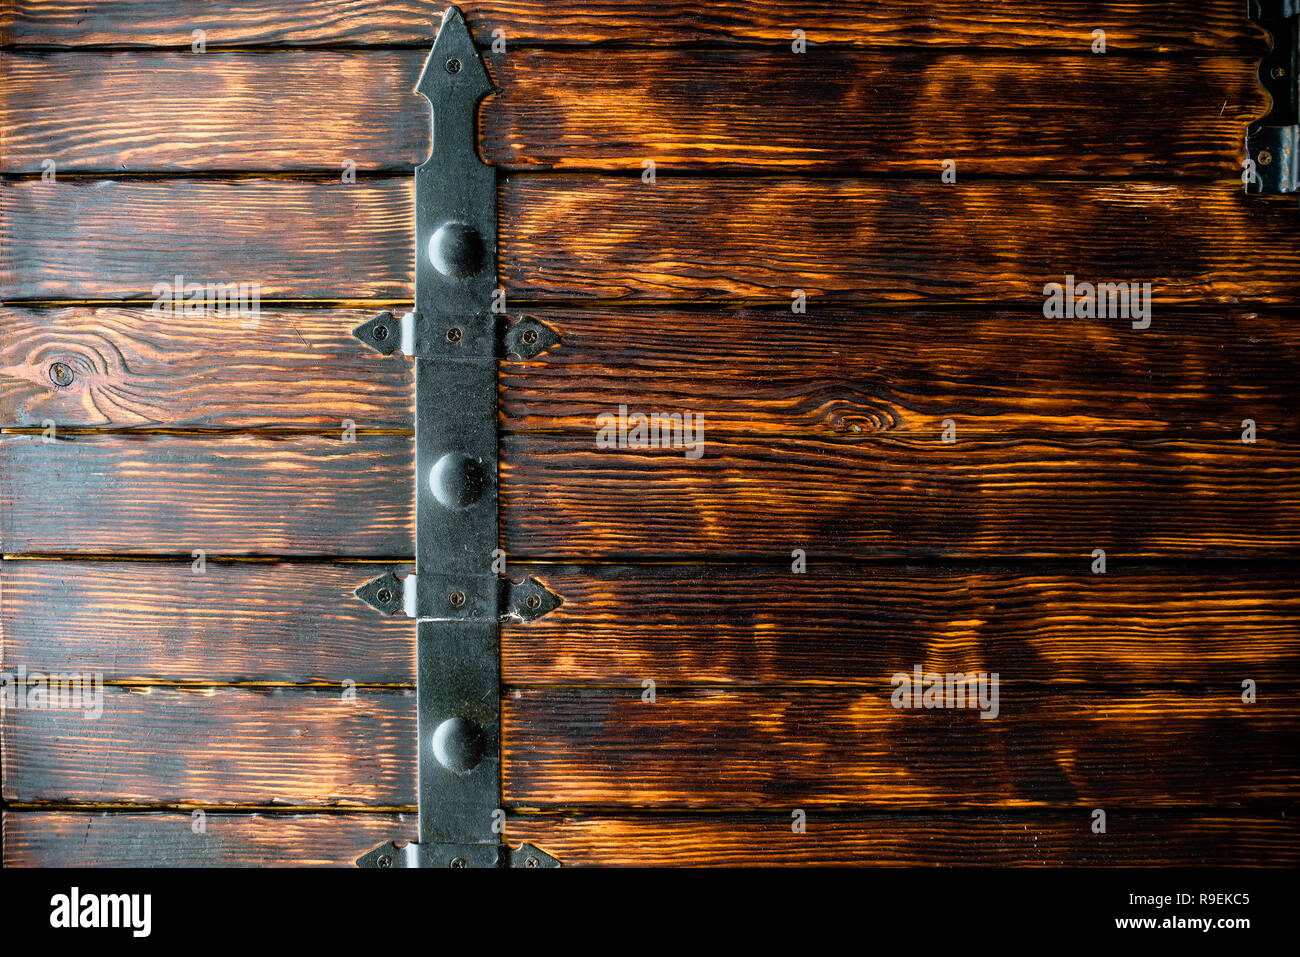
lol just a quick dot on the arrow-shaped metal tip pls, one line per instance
(527, 855)
(385, 594)
(529, 337)
(454, 63)
(529, 600)
(382, 333)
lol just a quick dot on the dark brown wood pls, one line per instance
(704, 110)
(854, 371)
(174, 494)
(576, 237)
(997, 372)
(715, 749)
(843, 626)
(168, 839)
(833, 626)
(160, 838)
(719, 840)
(151, 621)
(886, 496)
(874, 241)
(562, 497)
(80, 239)
(298, 368)
(795, 749)
(1181, 25)
(161, 745)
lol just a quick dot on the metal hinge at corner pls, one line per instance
(1273, 142)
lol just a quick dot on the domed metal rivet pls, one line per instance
(458, 745)
(61, 374)
(456, 250)
(457, 481)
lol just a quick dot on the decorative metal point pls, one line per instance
(527, 338)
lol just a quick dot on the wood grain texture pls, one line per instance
(871, 241)
(761, 372)
(159, 745)
(837, 626)
(243, 622)
(562, 497)
(158, 838)
(1041, 840)
(888, 496)
(832, 626)
(164, 839)
(1180, 25)
(855, 370)
(743, 749)
(78, 239)
(701, 110)
(794, 749)
(298, 368)
(97, 494)
(576, 237)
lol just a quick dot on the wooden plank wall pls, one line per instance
(230, 689)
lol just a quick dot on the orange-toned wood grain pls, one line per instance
(717, 749)
(832, 626)
(119, 838)
(704, 110)
(752, 749)
(1183, 25)
(854, 371)
(578, 237)
(562, 497)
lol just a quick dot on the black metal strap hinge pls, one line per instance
(1273, 143)
(456, 340)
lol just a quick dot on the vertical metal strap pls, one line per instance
(456, 594)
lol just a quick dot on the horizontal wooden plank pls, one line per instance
(77, 239)
(133, 368)
(1040, 840)
(855, 370)
(1207, 25)
(886, 240)
(69, 838)
(240, 622)
(877, 111)
(563, 497)
(96, 494)
(836, 626)
(690, 748)
(169, 839)
(160, 745)
(866, 370)
(843, 626)
(576, 237)
(797, 749)
(765, 496)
